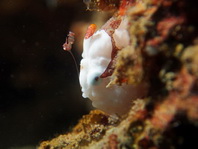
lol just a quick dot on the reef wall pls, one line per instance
(163, 52)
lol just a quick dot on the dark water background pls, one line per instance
(39, 89)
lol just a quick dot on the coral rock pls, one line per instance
(162, 52)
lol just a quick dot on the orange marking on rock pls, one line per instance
(123, 7)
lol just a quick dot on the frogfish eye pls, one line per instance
(95, 80)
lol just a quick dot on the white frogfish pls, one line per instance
(96, 57)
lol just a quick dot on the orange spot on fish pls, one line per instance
(90, 31)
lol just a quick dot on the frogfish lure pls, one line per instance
(67, 46)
